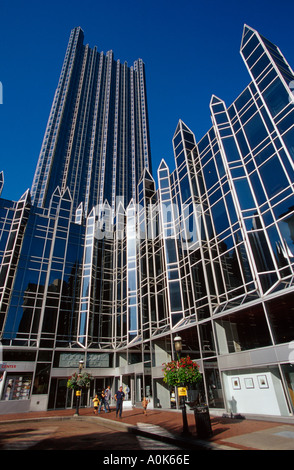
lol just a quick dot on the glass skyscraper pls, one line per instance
(96, 142)
(98, 264)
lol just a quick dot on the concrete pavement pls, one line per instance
(61, 430)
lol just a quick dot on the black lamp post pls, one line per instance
(78, 392)
(178, 348)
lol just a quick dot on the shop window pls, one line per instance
(213, 384)
(16, 386)
(41, 383)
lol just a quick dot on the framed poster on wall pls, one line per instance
(236, 383)
(262, 381)
(249, 382)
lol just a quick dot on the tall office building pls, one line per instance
(96, 142)
(207, 255)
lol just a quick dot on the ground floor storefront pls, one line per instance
(266, 390)
(257, 381)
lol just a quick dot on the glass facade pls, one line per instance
(96, 142)
(100, 265)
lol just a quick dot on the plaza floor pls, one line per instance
(60, 429)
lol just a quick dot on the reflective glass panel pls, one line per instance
(276, 97)
(279, 182)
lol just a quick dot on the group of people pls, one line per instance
(102, 400)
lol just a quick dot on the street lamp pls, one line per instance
(178, 348)
(178, 345)
(78, 392)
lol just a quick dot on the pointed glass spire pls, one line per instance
(163, 165)
(218, 111)
(79, 214)
(66, 201)
(66, 195)
(54, 202)
(120, 221)
(163, 174)
(182, 126)
(25, 197)
(177, 129)
(146, 175)
(247, 33)
(217, 105)
(215, 100)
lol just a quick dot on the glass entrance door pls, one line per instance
(60, 396)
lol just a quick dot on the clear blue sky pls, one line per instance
(190, 48)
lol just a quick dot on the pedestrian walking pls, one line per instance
(102, 401)
(119, 397)
(107, 398)
(95, 404)
(145, 402)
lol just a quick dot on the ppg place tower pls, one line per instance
(104, 263)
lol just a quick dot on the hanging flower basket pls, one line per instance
(181, 372)
(78, 381)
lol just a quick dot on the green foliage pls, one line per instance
(181, 372)
(77, 381)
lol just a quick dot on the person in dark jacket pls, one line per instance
(119, 398)
(102, 401)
